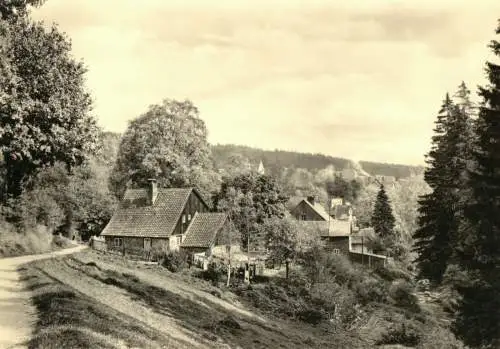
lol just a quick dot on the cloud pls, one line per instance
(361, 78)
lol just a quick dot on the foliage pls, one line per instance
(383, 220)
(340, 187)
(11, 9)
(65, 202)
(45, 107)
(478, 320)
(281, 237)
(440, 210)
(252, 199)
(174, 261)
(169, 143)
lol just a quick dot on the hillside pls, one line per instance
(275, 160)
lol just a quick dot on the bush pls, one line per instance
(401, 292)
(406, 333)
(215, 273)
(371, 290)
(174, 261)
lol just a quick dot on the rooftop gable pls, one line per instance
(203, 229)
(135, 217)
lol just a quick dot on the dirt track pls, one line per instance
(17, 315)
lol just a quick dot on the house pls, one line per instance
(338, 231)
(153, 219)
(206, 231)
(309, 209)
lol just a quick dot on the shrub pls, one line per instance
(215, 273)
(371, 290)
(174, 261)
(406, 333)
(401, 292)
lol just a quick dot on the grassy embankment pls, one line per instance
(38, 240)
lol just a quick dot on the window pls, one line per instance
(117, 242)
(147, 243)
(179, 239)
(303, 217)
(183, 218)
(336, 251)
(189, 217)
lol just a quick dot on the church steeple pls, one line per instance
(261, 169)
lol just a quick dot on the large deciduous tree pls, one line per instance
(478, 321)
(11, 9)
(169, 143)
(259, 198)
(44, 108)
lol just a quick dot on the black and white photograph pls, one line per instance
(236, 174)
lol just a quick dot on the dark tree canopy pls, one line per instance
(478, 321)
(169, 143)
(45, 109)
(10, 9)
(383, 220)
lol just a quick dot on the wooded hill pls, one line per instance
(275, 160)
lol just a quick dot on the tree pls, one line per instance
(11, 9)
(169, 143)
(478, 320)
(339, 187)
(439, 211)
(260, 198)
(45, 110)
(281, 237)
(383, 220)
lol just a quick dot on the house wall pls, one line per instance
(193, 205)
(337, 242)
(134, 246)
(304, 209)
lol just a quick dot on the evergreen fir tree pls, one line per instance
(436, 218)
(383, 220)
(478, 320)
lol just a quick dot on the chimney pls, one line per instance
(311, 199)
(152, 191)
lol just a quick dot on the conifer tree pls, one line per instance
(432, 238)
(383, 220)
(478, 318)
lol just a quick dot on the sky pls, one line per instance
(361, 79)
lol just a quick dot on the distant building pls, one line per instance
(261, 170)
(337, 229)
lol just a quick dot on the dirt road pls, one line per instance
(17, 315)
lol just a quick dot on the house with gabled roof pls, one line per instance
(157, 219)
(206, 231)
(337, 230)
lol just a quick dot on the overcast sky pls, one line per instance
(361, 79)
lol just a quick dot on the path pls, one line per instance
(17, 315)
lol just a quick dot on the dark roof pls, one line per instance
(134, 217)
(203, 229)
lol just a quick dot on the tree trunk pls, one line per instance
(287, 268)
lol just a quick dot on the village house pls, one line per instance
(161, 219)
(338, 229)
